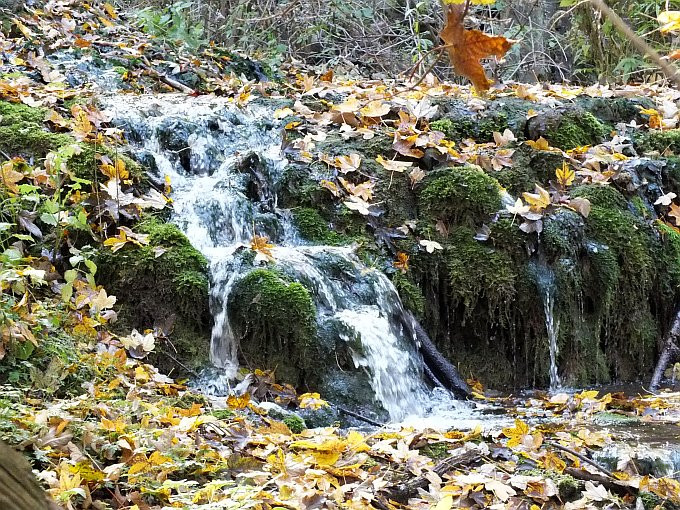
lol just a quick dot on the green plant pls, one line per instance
(174, 23)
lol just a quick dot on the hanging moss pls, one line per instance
(275, 321)
(411, 296)
(478, 271)
(22, 131)
(152, 288)
(460, 192)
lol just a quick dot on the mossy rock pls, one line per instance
(460, 193)
(22, 132)
(156, 289)
(274, 320)
(529, 167)
(567, 128)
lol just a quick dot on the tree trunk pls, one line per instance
(669, 354)
(442, 370)
(19, 489)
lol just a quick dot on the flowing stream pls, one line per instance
(213, 153)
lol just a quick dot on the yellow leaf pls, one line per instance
(539, 200)
(554, 463)
(565, 175)
(393, 166)
(669, 21)
(141, 375)
(446, 503)
(540, 145)
(138, 467)
(356, 442)
(375, 109)
(262, 246)
(241, 402)
(311, 401)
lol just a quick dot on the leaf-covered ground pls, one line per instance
(105, 430)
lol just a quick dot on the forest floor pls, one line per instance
(103, 429)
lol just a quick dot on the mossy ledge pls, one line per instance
(164, 284)
(274, 319)
(22, 132)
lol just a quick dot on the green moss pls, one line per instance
(436, 451)
(295, 423)
(275, 321)
(457, 129)
(22, 131)
(151, 288)
(478, 271)
(410, 294)
(562, 233)
(313, 227)
(670, 257)
(85, 164)
(222, 414)
(576, 129)
(662, 141)
(460, 192)
(490, 124)
(599, 195)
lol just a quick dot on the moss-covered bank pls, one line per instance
(162, 285)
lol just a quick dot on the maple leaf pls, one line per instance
(263, 248)
(669, 21)
(9, 177)
(539, 200)
(565, 175)
(347, 164)
(402, 262)
(430, 246)
(665, 199)
(540, 145)
(393, 166)
(467, 47)
(312, 401)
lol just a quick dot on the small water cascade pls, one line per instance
(213, 153)
(545, 280)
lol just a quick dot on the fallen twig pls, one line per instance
(582, 457)
(360, 417)
(402, 492)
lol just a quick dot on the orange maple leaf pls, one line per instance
(467, 47)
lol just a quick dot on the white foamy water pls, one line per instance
(208, 148)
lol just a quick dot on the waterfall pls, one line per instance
(207, 148)
(545, 280)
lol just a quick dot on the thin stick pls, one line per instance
(583, 458)
(671, 71)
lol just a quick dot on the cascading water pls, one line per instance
(545, 280)
(211, 152)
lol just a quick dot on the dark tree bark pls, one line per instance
(669, 353)
(441, 369)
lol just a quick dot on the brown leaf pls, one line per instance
(467, 47)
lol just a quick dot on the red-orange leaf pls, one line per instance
(467, 47)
